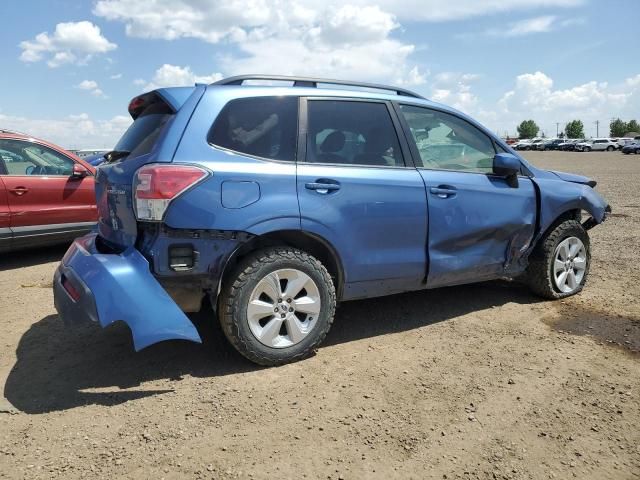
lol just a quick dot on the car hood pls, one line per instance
(574, 178)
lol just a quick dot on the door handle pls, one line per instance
(19, 190)
(322, 187)
(443, 192)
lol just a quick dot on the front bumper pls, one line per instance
(106, 288)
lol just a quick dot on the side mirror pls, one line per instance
(508, 166)
(79, 171)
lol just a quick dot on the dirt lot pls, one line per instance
(482, 381)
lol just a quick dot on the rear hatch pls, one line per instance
(159, 119)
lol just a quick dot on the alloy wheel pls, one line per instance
(283, 308)
(569, 265)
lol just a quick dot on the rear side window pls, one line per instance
(143, 133)
(352, 133)
(261, 127)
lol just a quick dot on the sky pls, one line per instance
(69, 68)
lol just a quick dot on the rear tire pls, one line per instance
(273, 331)
(553, 274)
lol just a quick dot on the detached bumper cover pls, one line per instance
(106, 288)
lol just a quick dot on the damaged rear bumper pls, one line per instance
(106, 288)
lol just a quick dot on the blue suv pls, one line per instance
(276, 202)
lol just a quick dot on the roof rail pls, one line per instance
(6, 130)
(313, 82)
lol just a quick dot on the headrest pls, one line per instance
(333, 143)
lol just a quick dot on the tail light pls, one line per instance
(157, 185)
(71, 290)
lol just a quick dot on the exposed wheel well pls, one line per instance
(307, 242)
(575, 214)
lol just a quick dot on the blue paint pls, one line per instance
(392, 229)
(479, 229)
(237, 194)
(121, 288)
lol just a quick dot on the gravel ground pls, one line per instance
(480, 381)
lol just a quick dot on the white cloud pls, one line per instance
(71, 42)
(633, 81)
(73, 131)
(87, 85)
(284, 37)
(528, 26)
(175, 76)
(535, 92)
(355, 62)
(534, 97)
(172, 19)
(349, 24)
(92, 87)
(448, 10)
(455, 89)
(116, 76)
(213, 21)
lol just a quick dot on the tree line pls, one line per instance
(575, 128)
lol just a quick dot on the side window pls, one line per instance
(260, 126)
(352, 133)
(447, 142)
(26, 158)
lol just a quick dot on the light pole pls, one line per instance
(597, 122)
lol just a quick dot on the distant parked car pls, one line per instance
(632, 147)
(550, 144)
(583, 146)
(597, 145)
(89, 152)
(608, 144)
(46, 193)
(522, 144)
(535, 145)
(95, 159)
(568, 144)
(623, 141)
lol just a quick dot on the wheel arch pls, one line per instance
(308, 242)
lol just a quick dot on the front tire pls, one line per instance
(610, 149)
(277, 306)
(559, 264)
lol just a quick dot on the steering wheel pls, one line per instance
(29, 170)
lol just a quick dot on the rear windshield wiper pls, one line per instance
(114, 155)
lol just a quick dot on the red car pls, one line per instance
(46, 193)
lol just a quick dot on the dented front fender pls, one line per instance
(559, 196)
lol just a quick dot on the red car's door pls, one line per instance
(5, 231)
(41, 189)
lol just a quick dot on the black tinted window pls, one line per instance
(356, 133)
(261, 126)
(144, 131)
